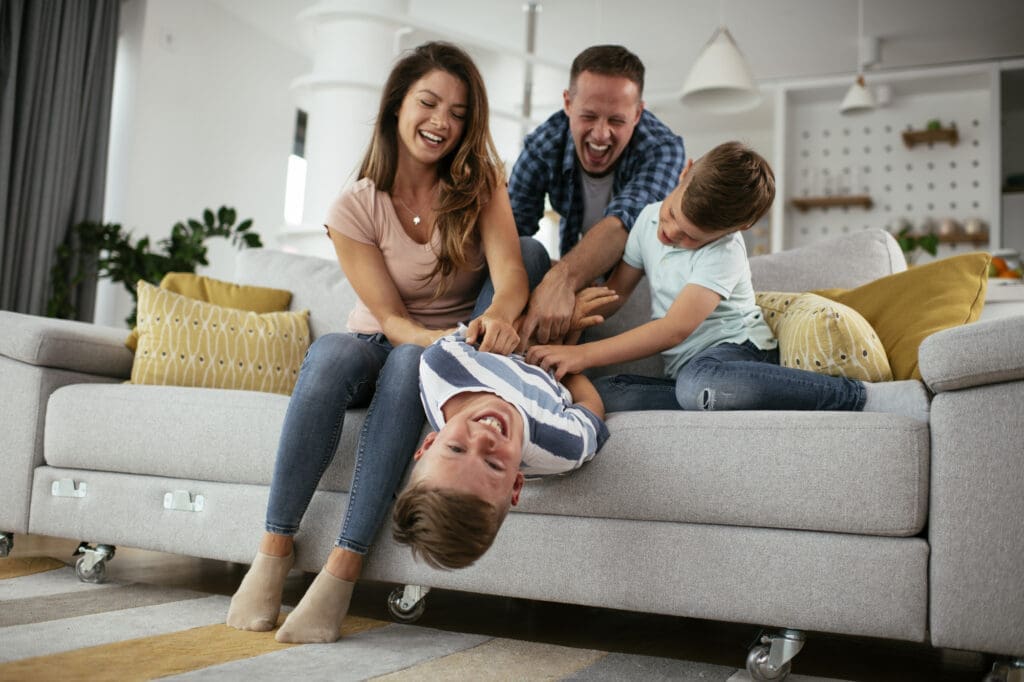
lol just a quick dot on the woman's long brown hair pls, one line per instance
(468, 175)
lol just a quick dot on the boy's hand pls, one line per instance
(493, 334)
(587, 301)
(560, 360)
(583, 316)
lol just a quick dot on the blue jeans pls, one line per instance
(342, 371)
(732, 376)
(356, 370)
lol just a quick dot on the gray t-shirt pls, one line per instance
(597, 194)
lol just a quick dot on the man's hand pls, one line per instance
(560, 360)
(550, 311)
(493, 334)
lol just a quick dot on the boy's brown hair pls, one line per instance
(731, 186)
(448, 529)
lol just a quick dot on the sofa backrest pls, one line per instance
(847, 261)
(317, 284)
(841, 262)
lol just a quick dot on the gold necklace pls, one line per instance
(416, 220)
(415, 214)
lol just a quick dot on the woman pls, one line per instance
(428, 219)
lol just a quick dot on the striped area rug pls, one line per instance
(53, 627)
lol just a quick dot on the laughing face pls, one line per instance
(602, 111)
(478, 452)
(432, 117)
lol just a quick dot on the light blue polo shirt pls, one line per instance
(720, 266)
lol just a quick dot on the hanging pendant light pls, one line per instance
(858, 98)
(720, 80)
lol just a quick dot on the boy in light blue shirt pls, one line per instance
(719, 352)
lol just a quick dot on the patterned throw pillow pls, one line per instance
(219, 292)
(908, 307)
(823, 336)
(185, 342)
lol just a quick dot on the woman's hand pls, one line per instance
(560, 360)
(493, 334)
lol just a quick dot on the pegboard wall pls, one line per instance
(829, 154)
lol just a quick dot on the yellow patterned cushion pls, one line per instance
(219, 292)
(823, 336)
(908, 307)
(185, 342)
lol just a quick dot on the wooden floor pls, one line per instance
(824, 655)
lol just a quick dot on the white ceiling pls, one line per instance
(781, 39)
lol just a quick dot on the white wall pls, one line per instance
(203, 117)
(832, 154)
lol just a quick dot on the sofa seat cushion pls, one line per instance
(196, 433)
(852, 472)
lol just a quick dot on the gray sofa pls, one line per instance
(866, 524)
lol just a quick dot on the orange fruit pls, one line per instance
(1000, 264)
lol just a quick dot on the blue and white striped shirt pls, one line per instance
(559, 436)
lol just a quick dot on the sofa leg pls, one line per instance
(407, 604)
(1009, 670)
(6, 544)
(771, 658)
(91, 566)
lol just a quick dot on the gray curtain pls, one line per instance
(56, 78)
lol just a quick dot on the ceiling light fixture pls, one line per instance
(720, 80)
(858, 98)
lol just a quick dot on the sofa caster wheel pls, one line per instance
(6, 544)
(407, 604)
(91, 566)
(1006, 671)
(772, 658)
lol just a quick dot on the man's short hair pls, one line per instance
(730, 186)
(608, 60)
(448, 529)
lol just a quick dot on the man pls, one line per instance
(600, 161)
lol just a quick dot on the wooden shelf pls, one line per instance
(805, 203)
(960, 238)
(915, 137)
(963, 238)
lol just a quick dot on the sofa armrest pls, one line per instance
(65, 344)
(976, 354)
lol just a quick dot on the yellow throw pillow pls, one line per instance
(185, 342)
(219, 292)
(907, 307)
(823, 336)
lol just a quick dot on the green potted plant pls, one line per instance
(910, 243)
(121, 259)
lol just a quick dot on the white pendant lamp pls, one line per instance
(858, 98)
(720, 80)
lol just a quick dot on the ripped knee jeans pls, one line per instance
(732, 376)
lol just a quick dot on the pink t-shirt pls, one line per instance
(368, 216)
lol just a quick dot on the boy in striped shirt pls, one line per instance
(497, 420)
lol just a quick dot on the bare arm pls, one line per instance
(364, 267)
(495, 328)
(691, 307)
(584, 393)
(552, 301)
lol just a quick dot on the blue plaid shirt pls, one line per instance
(645, 173)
